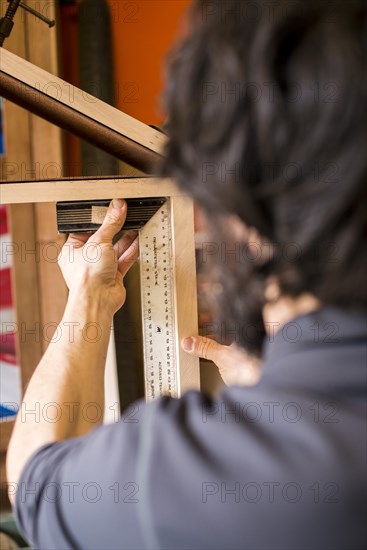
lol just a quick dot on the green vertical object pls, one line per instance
(9, 529)
(96, 75)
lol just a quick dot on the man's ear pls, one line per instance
(260, 248)
(238, 228)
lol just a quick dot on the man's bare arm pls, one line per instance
(70, 375)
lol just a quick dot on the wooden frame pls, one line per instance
(86, 189)
(128, 139)
(183, 243)
(183, 250)
(70, 108)
(79, 101)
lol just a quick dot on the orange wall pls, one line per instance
(143, 33)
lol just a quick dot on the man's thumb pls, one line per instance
(201, 346)
(113, 221)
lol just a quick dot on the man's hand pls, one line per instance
(93, 263)
(72, 369)
(236, 367)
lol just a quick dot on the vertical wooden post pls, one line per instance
(183, 249)
(46, 162)
(22, 221)
(21, 229)
(32, 145)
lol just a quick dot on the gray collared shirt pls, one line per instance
(281, 465)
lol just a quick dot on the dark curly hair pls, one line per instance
(267, 121)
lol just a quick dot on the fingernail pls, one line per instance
(118, 203)
(188, 344)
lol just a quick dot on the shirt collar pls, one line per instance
(325, 328)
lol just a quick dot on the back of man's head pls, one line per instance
(267, 121)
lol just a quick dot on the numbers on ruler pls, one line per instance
(158, 323)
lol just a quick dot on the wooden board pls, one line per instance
(86, 189)
(184, 267)
(21, 228)
(80, 102)
(22, 221)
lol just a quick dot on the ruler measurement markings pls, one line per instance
(157, 282)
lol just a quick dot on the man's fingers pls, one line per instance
(124, 242)
(129, 257)
(77, 240)
(202, 347)
(114, 220)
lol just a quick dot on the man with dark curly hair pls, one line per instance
(267, 131)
